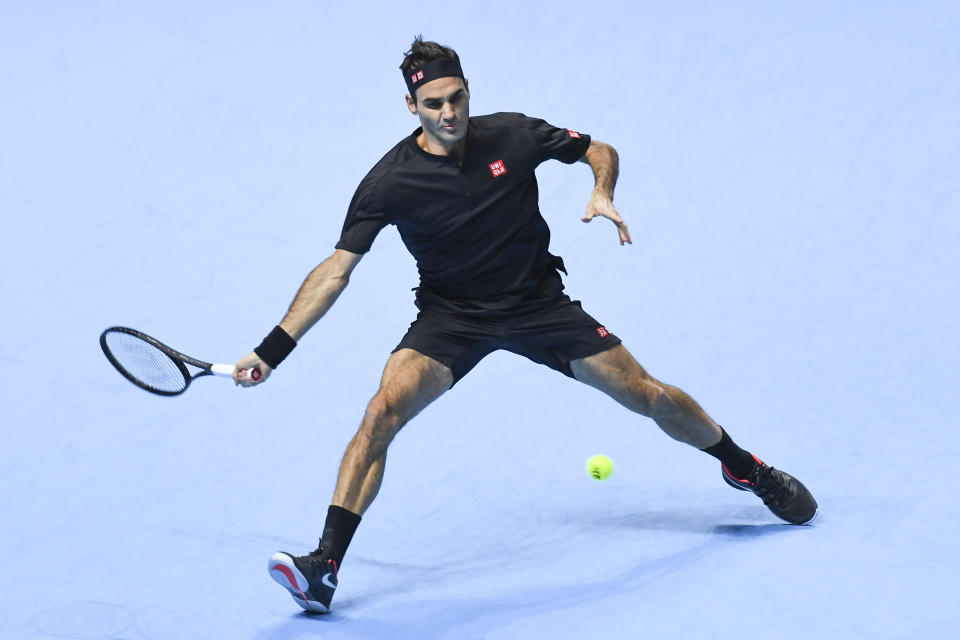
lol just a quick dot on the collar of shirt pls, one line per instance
(471, 138)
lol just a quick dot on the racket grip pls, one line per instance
(227, 370)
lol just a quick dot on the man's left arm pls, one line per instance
(605, 162)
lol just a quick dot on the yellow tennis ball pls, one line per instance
(599, 466)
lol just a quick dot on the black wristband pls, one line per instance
(275, 347)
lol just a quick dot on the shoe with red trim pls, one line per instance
(310, 579)
(783, 494)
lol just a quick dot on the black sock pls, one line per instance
(338, 532)
(736, 460)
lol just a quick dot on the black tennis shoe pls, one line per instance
(310, 579)
(783, 494)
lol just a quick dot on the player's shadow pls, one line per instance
(356, 626)
(461, 616)
(299, 623)
(435, 618)
(699, 521)
(751, 530)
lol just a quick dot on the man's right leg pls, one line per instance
(410, 382)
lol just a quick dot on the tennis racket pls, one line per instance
(155, 367)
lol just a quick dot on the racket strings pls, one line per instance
(146, 363)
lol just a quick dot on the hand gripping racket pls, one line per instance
(155, 367)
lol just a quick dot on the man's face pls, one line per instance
(443, 106)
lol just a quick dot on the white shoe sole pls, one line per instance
(285, 573)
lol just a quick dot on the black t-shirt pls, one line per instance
(474, 228)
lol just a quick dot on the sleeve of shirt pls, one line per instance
(365, 218)
(556, 143)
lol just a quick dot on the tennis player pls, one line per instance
(462, 192)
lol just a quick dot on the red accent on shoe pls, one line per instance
(733, 477)
(289, 576)
(742, 480)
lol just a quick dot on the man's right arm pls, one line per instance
(316, 295)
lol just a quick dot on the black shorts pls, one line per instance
(554, 332)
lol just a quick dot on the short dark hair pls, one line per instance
(422, 52)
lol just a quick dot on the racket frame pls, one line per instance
(181, 360)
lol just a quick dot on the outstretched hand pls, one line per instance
(243, 368)
(601, 205)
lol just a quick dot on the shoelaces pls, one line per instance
(771, 486)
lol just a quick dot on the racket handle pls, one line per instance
(227, 370)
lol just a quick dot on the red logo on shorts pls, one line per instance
(417, 77)
(497, 168)
(573, 134)
(603, 332)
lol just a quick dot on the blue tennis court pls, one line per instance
(790, 176)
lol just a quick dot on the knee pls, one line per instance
(380, 424)
(654, 401)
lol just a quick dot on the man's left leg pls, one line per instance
(619, 375)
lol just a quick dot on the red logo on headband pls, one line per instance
(417, 77)
(497, 168)
(573, 134)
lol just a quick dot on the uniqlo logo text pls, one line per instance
(573, 134)
(603, 332)
(497, 168)
(417, 77)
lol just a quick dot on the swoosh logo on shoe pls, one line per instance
(326, 580)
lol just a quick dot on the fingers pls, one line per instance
(250, 371)
(248, 377)
(614, 216)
